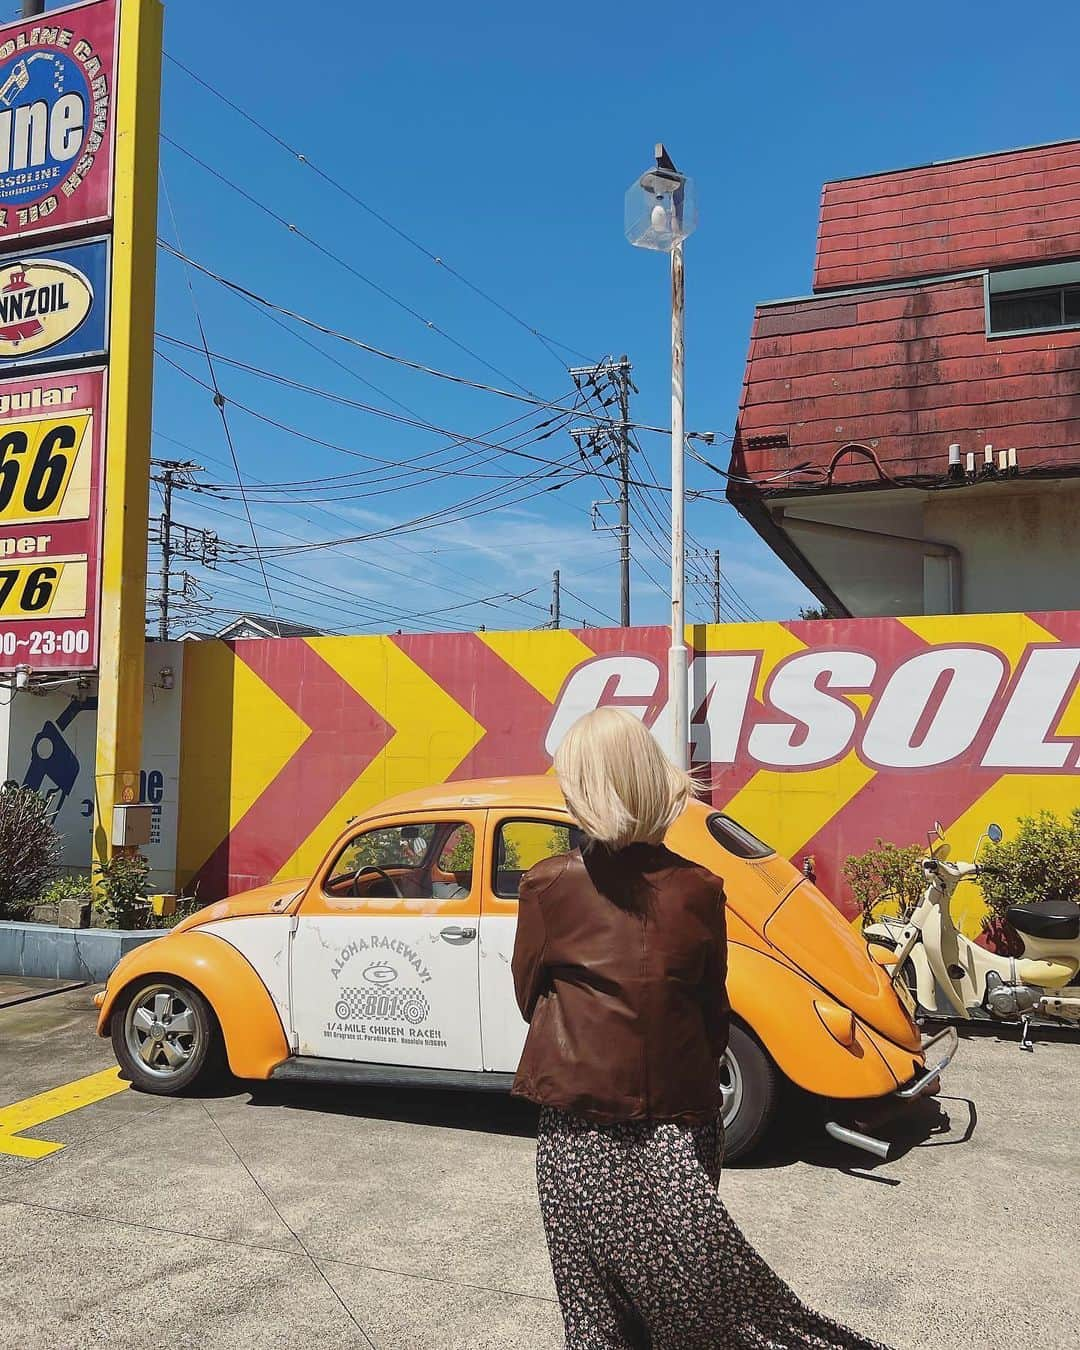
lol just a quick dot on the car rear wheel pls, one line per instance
(164, 1034)
(750, 1091)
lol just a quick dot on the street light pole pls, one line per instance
(678, 663)
(660, 212)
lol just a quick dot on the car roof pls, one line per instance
(536, 790)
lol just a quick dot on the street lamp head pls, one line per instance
(661, 206)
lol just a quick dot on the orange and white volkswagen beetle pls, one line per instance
(391, 966)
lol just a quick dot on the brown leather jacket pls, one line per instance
(619, 968)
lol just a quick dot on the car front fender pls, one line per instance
(255, 1040)
(777, 1003)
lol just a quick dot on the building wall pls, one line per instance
(1016, 207)
(47, 741)
(906, 372)
(1019, 541)
(818, 736)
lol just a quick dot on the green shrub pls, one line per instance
(1041, 861)
(66, 886)
(886, 872)
(29, 849)
(121, 891)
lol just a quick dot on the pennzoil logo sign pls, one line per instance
(42, 302)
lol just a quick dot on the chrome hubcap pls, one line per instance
(161, 1030)
(731, 1088)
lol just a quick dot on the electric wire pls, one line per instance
(545, 339)
(340, 261)
(270, 307)
(397, 616)
(219, 400)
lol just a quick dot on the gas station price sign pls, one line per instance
(51, 429)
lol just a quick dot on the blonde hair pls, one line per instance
(619, 785)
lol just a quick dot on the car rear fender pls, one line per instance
(255, 1040)
(777, 1003)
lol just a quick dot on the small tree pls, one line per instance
(886, 872)
(29, 848)
(813, 612)
(1041, 861)
(121, 891)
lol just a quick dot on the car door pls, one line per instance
(385, 956)
(516, 841)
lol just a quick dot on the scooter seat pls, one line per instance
(1047, 919)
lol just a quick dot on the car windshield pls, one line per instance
(737, 838)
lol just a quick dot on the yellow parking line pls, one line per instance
(46, 1106)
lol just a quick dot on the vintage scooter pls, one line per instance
(951, 976)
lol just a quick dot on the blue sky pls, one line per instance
(503, 142)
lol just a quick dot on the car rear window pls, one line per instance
(737, 838)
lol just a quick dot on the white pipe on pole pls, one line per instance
(678, 665)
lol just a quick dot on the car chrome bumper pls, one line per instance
(937, 1053)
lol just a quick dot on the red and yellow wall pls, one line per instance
(283, 740)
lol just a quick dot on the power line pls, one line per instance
(219, 398)
(299, 386)
(271, 308)
(543, 338)
(397, 615)
(336, 258)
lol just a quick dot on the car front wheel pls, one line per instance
(164, 1034)
(750, 1091)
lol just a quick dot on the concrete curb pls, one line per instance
(46, 951)
(32, 995)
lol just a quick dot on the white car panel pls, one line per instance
(263, 940)
(502, 1027)
(388, 990)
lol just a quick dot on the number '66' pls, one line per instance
(48, 467)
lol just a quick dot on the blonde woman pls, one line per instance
(619, 968)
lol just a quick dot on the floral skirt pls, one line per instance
(644, 1254)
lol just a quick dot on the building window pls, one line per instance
(1012, 311)
(1025, 299)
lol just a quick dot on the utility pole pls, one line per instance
(716, 586)
(556, 599)
(198, 545)
(623, 382)
(613, 436)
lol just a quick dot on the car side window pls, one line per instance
(420, 861)
(521, 844)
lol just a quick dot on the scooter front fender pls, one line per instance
(940, 950)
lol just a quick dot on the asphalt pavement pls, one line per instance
(337, 1218)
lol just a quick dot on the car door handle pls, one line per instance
(458, 936)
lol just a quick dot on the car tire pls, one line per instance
(750, 1082)
(165, 1035)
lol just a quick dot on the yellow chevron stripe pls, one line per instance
(543, 659)
(787, 809)
(432, 734)
(237, 737)
(1017, 794)
(1010, 634)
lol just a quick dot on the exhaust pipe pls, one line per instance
(878, 1147)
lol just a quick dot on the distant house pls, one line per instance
(254, 626)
